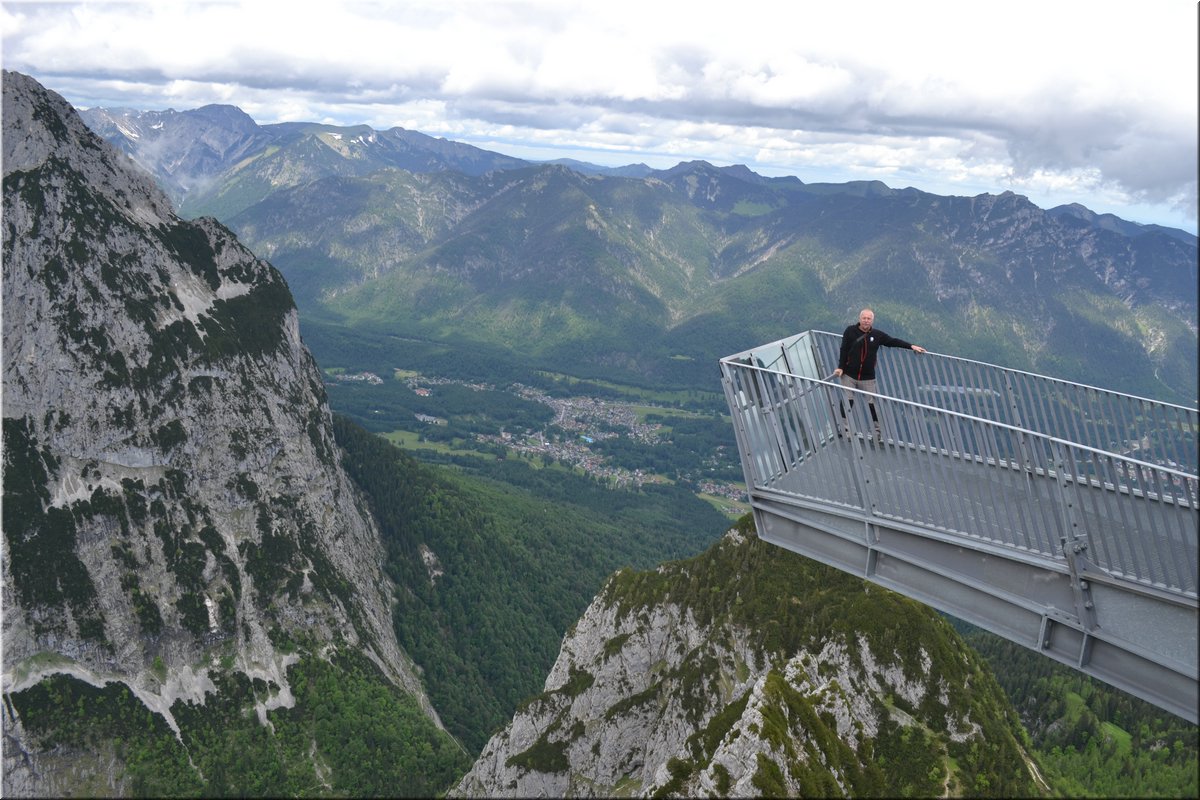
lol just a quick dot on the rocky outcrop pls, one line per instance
(174, 502)
(684, 682)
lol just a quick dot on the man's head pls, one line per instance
(866, 318)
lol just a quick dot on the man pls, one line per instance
(856, 364)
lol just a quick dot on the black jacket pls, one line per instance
(858, 351)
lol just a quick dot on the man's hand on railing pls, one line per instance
(918, 349)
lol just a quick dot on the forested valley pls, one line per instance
(494, 560)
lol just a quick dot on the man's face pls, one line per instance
(865, 320)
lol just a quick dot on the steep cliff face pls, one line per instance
(749, 671)
(174, 503)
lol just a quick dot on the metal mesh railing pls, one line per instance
(1018, 460)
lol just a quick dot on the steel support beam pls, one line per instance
(1141, 641)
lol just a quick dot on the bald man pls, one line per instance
(856, 363)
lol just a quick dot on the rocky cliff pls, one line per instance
(749, 671)
(175, 511)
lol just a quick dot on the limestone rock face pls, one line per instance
(173, 496)
(666, 688)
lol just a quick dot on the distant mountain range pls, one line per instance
(650, 275)
(189, 150)
(1111, 222)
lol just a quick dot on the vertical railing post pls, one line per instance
(771, 416)
(861, 479)
(1073, 538)
(822, 370)
(1014, 408)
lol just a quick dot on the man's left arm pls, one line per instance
(892, 341)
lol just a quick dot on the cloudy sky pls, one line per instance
(1064, 101)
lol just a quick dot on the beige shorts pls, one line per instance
(865, 386)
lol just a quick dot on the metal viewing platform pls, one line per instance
(1060, 516)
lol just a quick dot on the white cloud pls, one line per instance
(1045, 98)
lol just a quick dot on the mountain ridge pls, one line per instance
(649, 279)
(459, 156)
(695, 263)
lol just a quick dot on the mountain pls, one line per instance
(654, 279)
(216, 160)
(194, 598)
(650, 276)
(183, 149)
(749, 671)
(638, 170)
(1111, 222)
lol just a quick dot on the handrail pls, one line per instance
(1105, 419)
(951, 412)
(1039, 376)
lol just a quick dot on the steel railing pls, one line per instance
(1053, 469)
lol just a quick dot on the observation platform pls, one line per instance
(1061, 516)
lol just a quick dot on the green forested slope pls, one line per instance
(349, 733)
(521, 552)
(1093, 740)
